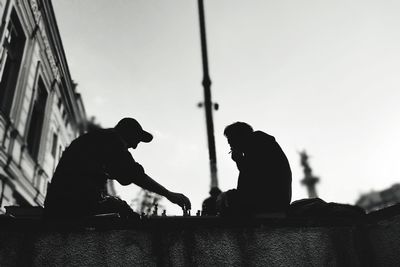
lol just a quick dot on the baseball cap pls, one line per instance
(132, 126)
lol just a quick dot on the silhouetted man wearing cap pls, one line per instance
(264, 183)
(78, 187)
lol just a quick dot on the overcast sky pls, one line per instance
(318, 75)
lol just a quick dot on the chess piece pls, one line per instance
(155, 211)
(164, 213)
(198, 213)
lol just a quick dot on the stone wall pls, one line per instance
(199, 241)
(384, 237)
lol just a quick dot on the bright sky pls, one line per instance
(318, 75)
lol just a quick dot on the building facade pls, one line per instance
(40, 110)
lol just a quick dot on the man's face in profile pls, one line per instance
(236, 143)
(134, 142)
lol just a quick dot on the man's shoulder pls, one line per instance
(101, 134)
(98, 138)
(262, 141)
(110, 139)
(260, 136)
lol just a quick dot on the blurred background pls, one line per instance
(316, 75)
(319, 76)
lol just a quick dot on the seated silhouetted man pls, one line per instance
(264, 183)
(78, 187)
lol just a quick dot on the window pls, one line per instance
(54, 146)
(11, 53)
(59, 103)
(60, 151)
(64, 114)
(37, 118)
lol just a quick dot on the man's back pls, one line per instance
(265, 177)
(81, 175)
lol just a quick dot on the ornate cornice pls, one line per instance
(49, 53)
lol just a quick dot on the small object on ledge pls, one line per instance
(155, 211)
(25, 212)
(107, 215)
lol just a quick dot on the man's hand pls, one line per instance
(179, 199)
(236, 155)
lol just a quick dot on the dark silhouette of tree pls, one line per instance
(92, 124)
(146, 202)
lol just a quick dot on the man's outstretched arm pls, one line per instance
(127, 171)
(148, 183)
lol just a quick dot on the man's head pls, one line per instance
(238, 134)
(132, 133)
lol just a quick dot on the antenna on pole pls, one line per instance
(208, 105)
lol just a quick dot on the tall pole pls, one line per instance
(207, 98)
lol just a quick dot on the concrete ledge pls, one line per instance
(34, 225)
(383, 232)
(182, 241)
(371, 240)
(186, 246)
